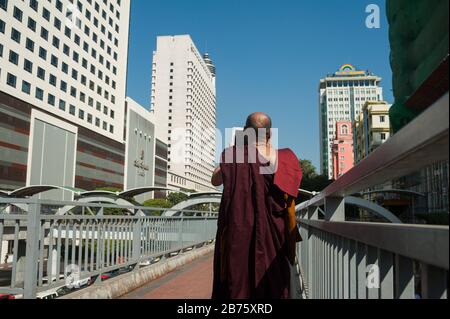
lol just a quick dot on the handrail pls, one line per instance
(424, 243)
(91, 245)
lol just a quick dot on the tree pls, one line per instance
(158, 203)
(109, 189)
(308, 169)
(312, 181)
(176, 198)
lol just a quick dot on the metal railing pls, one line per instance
(342, 259)
(46, 248)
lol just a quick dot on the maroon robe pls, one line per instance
(252, 247)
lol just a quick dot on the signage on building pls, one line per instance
(348, 69)
(140, 165)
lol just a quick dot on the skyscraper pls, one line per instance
(63, 68)
(183, 97)
(341, 98)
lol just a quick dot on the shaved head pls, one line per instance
(257, 121)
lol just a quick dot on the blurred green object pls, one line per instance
(418, 35)
(400, 115)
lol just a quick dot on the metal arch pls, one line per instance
(4, 194)
(38, 189)
(373, 208)
(23, 207)
(397, 191)
(203, 194)
(214, 197)
(144, 190)
(362, 203)
(176, 210)
(116, 201)
(98, 194)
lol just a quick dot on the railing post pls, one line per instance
(313, 213)
(335, 209)
(434, 282)
(137, 237)
(404, 283)
(386, 275)
(32, 249)
(180, 234)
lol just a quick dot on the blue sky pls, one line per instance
(270, 55)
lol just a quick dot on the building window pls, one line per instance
(44, 34)
(34, 5)
(28, 66)
(344, 129)
(17, 13)
(26, 87)
(62, 105)
(382, 119)
(42, 53)
(383, 136)
(41, 73)
(4, 4)
(51, 100)
(63, 86)
(52, 80)
(30, 45)
(13, 57)
(39, 94)
(54, 61)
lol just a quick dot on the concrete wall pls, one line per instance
(120, 286)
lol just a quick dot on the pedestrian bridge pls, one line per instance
(170, 256)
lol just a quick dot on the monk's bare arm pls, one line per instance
(216, 179)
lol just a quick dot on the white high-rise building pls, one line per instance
(183, 97)
(68, 58)
(342, 96)
(63, 68)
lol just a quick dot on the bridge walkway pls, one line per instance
(192, 281)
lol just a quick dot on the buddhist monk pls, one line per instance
(257, 231)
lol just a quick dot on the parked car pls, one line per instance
(149, 261)
(64, 291)
(81, 283)
(6, 296)
(49, 294)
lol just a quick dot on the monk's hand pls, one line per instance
(216, 179)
